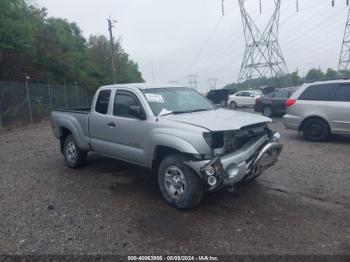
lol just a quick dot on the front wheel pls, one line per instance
(233, 105)
(74, 157)
(179, 185)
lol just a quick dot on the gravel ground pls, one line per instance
(300, 206)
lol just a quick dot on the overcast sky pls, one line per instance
(182, 37)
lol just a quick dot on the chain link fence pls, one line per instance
(25, 102)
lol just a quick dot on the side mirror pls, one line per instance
(137, 112)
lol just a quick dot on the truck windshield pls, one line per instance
(176, 100)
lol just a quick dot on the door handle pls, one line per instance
(112, 124)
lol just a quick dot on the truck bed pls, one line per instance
(76, 119)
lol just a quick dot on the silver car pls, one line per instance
(320, 109)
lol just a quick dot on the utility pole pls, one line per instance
(212, 83)
(263, 55)
(29, 102)
(344, 59)
(153, 77)
(110, 27)
(193, 81)
(297, 5)
(223, 7)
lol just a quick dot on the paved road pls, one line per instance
(301, 206)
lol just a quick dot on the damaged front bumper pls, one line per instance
(248, 162)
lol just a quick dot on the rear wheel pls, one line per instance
(179, 185)
(316, 130)
(233, 105)
(73, 156)
(268, 111)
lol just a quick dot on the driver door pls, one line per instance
(130, 134)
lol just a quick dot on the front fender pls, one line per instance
(170, 141)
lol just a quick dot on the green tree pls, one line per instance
(331, 74)
(314, 74)
(42, 47)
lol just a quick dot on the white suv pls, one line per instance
(243, 98)
(320, 109)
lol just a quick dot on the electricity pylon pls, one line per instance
(193, 81)
(263, 55)
(344, 59)
(212, 83)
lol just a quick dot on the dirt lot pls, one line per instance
(301, 206)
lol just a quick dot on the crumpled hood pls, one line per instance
(220, 119)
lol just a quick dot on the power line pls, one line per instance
(201, 50)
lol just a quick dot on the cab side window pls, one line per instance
(122, 103)
(103, 101)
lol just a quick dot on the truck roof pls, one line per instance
(142, 86)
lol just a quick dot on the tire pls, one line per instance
(268, 111)
(233, 105)
(73, 156)
(316, 130)
(178, 184)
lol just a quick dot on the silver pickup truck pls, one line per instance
(194, 146)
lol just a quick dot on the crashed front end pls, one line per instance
(237, 155)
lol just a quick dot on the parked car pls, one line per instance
(193, 146)
(273, 103)
(220, 96)
(244, 99)
(320, 109)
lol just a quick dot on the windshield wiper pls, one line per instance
(190, 111)
(167, 114)
(185, 112)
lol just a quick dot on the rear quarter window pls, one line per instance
(103, 101)
(320, 92)
(342, 94)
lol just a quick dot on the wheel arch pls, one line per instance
(160, 152)
(64, 132)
